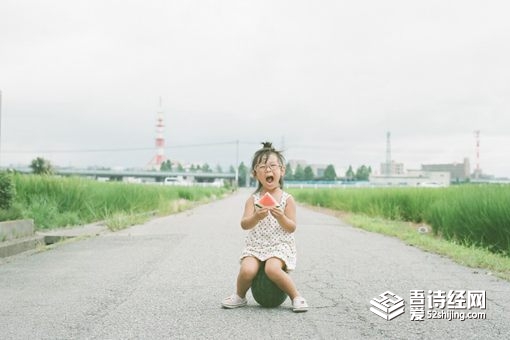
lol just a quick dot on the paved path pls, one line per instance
(166, 278)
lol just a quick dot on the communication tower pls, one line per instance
(156, 161)
(478, 171)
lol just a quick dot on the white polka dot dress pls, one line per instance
(268, 239)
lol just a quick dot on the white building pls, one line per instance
(413, 178)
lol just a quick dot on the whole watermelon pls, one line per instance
(264, 291)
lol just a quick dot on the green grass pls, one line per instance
(471, 215)
(470, 224)
(407, 204)
(54, 202)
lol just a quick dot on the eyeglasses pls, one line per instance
(263, 167)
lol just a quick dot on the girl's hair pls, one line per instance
(261, 156)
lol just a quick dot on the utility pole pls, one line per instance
(237, 163)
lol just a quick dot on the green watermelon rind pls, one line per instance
(266, 292)
(261, 206)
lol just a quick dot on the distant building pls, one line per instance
(458, 171)
(413, 178)
(394, 168)
(294, 164)
(317, 169)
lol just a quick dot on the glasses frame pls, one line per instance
(263, 167)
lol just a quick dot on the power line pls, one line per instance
(170, 147)
(315, 147)
(78, 150)
(179, 146)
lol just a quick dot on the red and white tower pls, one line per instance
(156, 161)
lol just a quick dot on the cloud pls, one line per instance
(328, 78)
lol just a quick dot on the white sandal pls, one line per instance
(234, 301)
(299, 304)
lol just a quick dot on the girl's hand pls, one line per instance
(261, 213)
(277, 213)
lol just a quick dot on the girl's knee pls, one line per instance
(248, 273)
(274, 267)
(249, 268)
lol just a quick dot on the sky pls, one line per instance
(81, 81)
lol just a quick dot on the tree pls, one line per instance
(219, 169)
(308, 173)
(349, 174)
(180, 168)
(243, 172)
(41, 166)
(363, 173)
(288, 173)
(330, 173)
(206, 168)
(299, 174)
(166, 166)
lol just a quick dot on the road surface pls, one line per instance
(165, 280)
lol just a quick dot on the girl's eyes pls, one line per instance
(272, 166)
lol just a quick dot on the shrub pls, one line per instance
(7, 191)
(41, 166)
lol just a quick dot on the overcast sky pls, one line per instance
(325, 80)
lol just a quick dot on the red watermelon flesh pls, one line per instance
(267, 201)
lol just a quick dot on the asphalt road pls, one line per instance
(165, 280)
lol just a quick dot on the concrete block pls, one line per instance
(10, 230)
(13, 247)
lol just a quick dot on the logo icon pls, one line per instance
(388, 305)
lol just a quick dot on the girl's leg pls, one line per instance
(274, 271)
(249, 268)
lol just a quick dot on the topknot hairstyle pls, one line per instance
(261, 156)
(267, 145)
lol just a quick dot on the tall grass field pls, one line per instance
(473, 215)
(56, 202)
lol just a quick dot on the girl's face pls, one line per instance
(269, 173)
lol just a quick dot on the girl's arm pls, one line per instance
(252, 216)
(287, 218)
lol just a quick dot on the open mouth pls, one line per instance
(269, 179)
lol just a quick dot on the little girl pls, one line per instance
(271, 232)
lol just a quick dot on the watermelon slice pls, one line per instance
(267, 201)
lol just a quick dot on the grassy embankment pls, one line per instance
(54, 202)
(470, 224)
